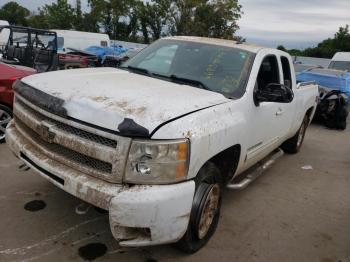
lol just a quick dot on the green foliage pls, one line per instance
(38, 20)
(123, 19)
(327, 48)
(78, 17)
(205, 18)
(153, 16)
(282, 48)
(14, 14)
(59, 15)
(135, 20)
(295, 52)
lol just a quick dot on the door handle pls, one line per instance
(279, 112)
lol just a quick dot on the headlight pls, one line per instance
(157, 162)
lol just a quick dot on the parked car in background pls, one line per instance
(116, 61)
(102, 52)
(8, 75)
(70, 61)
(69, 39)
(156, 142)
(333, 107)
(341, 61)
(92, 58)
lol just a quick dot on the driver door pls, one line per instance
(266, 133)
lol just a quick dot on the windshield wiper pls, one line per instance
(192, 82)
(139, 70)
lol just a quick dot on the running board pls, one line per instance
(257, 170)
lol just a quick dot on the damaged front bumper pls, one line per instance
(139, 215)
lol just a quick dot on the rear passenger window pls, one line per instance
(268, 73)
(287, 76)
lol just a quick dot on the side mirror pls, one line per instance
(277, 93)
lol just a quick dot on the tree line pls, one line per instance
(133, 20)
(327, 48)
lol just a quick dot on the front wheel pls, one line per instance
(293, 145)
(205, 211)
(5, 118)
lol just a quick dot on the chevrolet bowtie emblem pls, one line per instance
(45, 133)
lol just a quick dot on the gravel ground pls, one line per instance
(288, 214)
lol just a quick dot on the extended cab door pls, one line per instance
(286, 111)
(269, 120)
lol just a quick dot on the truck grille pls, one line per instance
(92, 152)
(70, 129)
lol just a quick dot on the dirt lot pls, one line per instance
(289, 214)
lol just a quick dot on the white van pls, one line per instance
(4, 34)
(80, 40)
(340, 61)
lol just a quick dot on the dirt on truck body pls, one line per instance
(156, 141)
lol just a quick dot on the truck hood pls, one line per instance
(118, 100)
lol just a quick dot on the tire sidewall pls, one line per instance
(305, 124)
(190, 243)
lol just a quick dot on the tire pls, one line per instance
(293, 145)
(205, 211)
(5, 117)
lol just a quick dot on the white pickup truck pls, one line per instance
(157, 141)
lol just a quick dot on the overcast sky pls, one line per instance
(295, 24)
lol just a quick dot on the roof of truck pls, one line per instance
(221, 42)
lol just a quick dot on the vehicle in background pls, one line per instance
(31, 47)
(322, 62)
(102, 52)
(340, 61)
(8, 75)
(70, 61)
(116, 61)
(79, 40)
(4, 35)
(332, 110)
(334, 91)
(156, 141)
(92, 58)
(299, 67)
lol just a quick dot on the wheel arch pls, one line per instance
(227, 161)
(7, 105)
(310, 112)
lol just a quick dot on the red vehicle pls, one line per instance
(8, 75)
(69, 61)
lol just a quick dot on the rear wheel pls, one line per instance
(205, 209)
(5, 118)
(293, 145)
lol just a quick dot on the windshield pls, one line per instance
(213, 67)
(340, 65)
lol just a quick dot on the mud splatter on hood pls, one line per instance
(106, 97)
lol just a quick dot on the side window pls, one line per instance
(287, 76)
(268, 73)
(60, 42)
